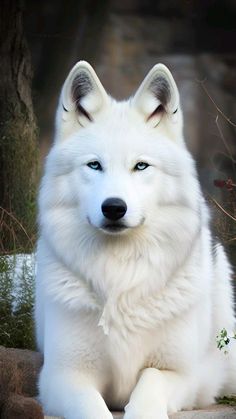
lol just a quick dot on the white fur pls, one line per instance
(128, 318)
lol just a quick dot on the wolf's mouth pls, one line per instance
(114, 227)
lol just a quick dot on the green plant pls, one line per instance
(223, 339)
(230, 400)
(16, 301)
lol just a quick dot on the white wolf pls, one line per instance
(131, 290)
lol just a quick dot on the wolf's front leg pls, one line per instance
(158, 393)
(71, 396)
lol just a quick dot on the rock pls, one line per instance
(20, 407)
(18, 383)
(212, 412)
(18, 371)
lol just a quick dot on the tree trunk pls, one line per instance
(18, 133)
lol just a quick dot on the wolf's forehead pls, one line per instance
(119, 114)
(119, 122)
(118, 134)
(119, 131)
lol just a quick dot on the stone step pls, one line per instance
(213, 412)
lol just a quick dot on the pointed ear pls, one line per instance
(82, 94)
(157, 95)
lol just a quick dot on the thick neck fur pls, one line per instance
(137, 265)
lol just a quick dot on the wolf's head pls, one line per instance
(117, 167)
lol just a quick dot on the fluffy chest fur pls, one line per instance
(132, 295)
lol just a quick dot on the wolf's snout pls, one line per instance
(114, 208)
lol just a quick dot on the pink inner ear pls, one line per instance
(159, 110)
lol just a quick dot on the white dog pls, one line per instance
(131, 290)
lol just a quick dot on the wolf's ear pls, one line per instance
(82, 94)
(157, 95)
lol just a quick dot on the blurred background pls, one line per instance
(123, 40)
(41, 41)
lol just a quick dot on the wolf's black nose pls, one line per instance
(114, 208)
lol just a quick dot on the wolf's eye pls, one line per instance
(141, 165)
(95, 165)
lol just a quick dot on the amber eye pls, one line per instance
(95, 165)
(141, 165)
